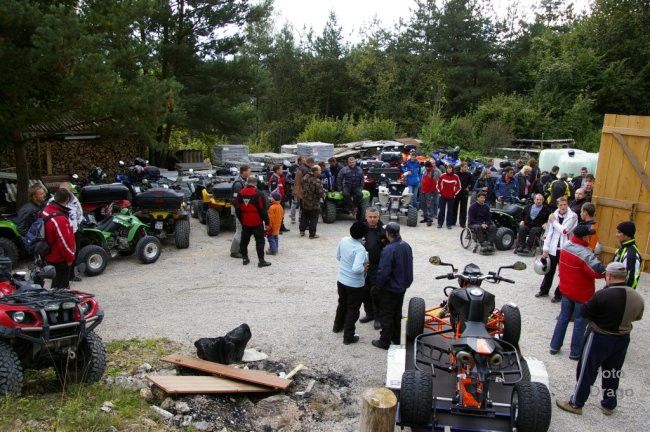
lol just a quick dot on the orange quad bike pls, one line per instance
(476, 346)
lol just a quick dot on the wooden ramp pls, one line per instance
(250, 376)
(204, 385)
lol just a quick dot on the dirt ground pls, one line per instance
(202, 292)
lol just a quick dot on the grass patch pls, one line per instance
(46, 405)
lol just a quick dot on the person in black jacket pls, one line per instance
(532, 224)
(394, 277)
(481, 224)
(374, 243)
(251, 213)
(28, 213)
(460, 202)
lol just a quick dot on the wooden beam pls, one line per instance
(621, 204)
(626, 131)
(612, 251)
(251, 376)
(203, 385)
(637, 167)
(48, 156)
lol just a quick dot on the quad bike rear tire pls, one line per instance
(213, 222)
(511, 324)
(193, 210)
(200, 211)
(329, 212)
(11, 371)
(10, 250)
(88, 365)
(505, 238)
(182, 234)
(148, 249)
(415, 321)
(530, 407)
(412, 216)
(416, 394)
(94, 260)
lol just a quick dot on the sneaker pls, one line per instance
(556, 299)
(315, 236)
(439, 226)
(566, 406)
(354, 339)
(246, 261)
(236, 255)
(423, 221)
(553, 352)
(263, 264)
(606, 411)
(365, 319)
(429, 223)
(448, 226)
(283, 230)
(76, 279)
(379, 344)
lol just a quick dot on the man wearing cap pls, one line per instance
(579, 268)
(394, 277)
(628, 253)
(610, 312)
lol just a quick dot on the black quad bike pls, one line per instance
(478, 362)
(507, 222)
(41, 328)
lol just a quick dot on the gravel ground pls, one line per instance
(202, 292)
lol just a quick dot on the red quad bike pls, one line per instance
(42, 328)
(486, 385)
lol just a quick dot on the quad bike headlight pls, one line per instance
(85, 307)
(68, 305)
(52, 306)
(18, 316)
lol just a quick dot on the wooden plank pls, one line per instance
(255, 377)
(611, 250)
(635, 164)
(626, 131)
(621, 204)
(204, 385)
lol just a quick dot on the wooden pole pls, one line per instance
(379, 406)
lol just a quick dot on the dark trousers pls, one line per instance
(77, 241)
(309, 220)
(391, 317)
(347, 311)
(481, 233)
(62, 278)
(524, 232)
(545, 287)
(256, 231)
(460, 207)
(352, 197)
(371, 298)
(446, 206)
(606, 353)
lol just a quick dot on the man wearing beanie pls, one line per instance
(628, 253)
(351, 282)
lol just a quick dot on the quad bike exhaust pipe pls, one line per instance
(72, 354)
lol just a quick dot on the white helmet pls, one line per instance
(542, 266)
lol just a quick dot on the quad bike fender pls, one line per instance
(8, 226)
(335, 195)
(365, 194)
(97, 236)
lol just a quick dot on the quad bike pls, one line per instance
(11, 241)
(393, 197)
(334, 204)
(507, 221)
(40, 328)
(118, 234)
(476, 358)
(213, 205)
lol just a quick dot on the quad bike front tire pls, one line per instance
(412, 216)
(530, 407)
(416, 394)
(415, 321)
(505, 238)
(182, 234)
(94, 260)
(193, 210)
(148, 249)
(213, 222)
(511, 324)
(10, 250)
(329, 212)
(88, 365)
(11, 371)
(200, 211)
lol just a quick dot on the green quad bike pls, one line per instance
(119, 234)
(11, 241)
(335, 204)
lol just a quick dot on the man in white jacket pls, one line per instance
(561, 224)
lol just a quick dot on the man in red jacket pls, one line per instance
(60, 237)
(429, 188)
(448, 186)
(579, 268)
(251, 212)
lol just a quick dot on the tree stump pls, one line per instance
(378, 409)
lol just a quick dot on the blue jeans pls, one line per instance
(568, 309)
(273, 243)
(414, 189)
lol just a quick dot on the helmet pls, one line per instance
(472, 270)
(140, 162)
(97, 174)
(542, 266)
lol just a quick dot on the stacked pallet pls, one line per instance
(273, 158)
(320, 151)
(289, 148)
(224, 152)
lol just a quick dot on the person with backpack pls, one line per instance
(59, 237)
(250, 209)
(28, 213)
(237, 186)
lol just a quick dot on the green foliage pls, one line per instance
(495, 134)
(345, 130)
(181, 139)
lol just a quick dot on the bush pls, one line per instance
(376, 129)
(181, 139)
(495, 134)
(345, 130)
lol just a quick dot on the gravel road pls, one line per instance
(202, 292)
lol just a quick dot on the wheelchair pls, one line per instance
(537, 245)
(468, 238)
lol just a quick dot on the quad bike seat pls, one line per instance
(475, 329)
(513, 210)
(106, 224)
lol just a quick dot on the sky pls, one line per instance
(353, 14)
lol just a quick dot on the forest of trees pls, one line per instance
(190, 73)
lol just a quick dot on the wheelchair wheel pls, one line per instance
(466, 238)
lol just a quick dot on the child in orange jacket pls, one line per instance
(276, 214)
